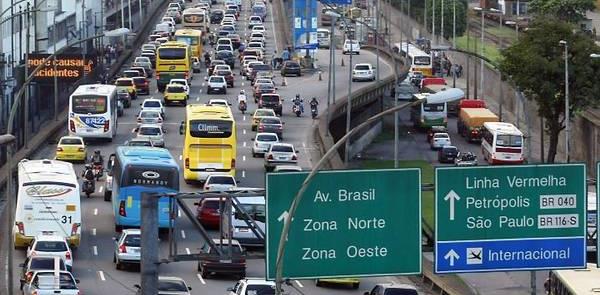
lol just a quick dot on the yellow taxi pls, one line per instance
(175, 93)
(127, 84)
(259, 114)
(71, 148)
(354, 282)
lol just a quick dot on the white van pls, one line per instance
(323, 37)
(592, 216)
(256, 208)
(48, 202)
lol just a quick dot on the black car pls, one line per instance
(259, 68)
(447, 154)
(216, 16)
(142, 85)
(291, 68)
(226, 56)
(271, 101)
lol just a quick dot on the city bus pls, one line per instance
(209, 145)
(48, 202)
(191, 37)
(195, 18)
(93, 111)
(501, 143)
(427, 115)
(173, 61)
(420, 61)
(574, 281)
(138, 169)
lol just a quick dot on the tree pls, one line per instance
(571, 11)
(536, 64)
(461, 16)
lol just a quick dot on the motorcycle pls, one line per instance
(313, 111)
(296, 110)
(88, 187)
(98, 171)
(242, 106)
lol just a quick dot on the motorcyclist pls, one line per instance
(298, 101)
(207, 59)
(242, 97)
(314, 103)
(88, 173)
(97, 158)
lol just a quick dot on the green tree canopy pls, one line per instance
(461, 16)
(536, 64)
(566, 10)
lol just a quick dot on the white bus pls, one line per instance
(420, 60)
(574, 282)
(427, 115)
(323, 38)
(93, 111)
(48, 202)
(195, 18)
(501, 143)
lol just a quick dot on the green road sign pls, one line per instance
(512, 215)
(349, 223)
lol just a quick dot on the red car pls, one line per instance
(208, 213)
(228, 77)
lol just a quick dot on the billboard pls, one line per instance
(305, 24)
(69, 67)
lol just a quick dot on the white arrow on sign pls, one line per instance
(452, 255)
(451, 196)
(283, 218)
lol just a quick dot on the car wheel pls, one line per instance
(318, 283)
(253, 155)
(204, 274)
(118, 265)
(355, 285)
(118, 228)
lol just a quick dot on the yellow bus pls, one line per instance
(191, 37)
(195, 18)
(173, 60)
(209, 145)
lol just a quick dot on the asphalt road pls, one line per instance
(93, 259)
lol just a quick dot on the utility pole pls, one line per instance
(26, 106)
(54, 66)
(331, 70)
(349, 103)
(149, 254)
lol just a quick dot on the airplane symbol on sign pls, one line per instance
(475, 255)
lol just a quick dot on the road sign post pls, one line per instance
(350, 223)
(597, 213)
(498, 218)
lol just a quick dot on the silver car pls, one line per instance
(44, 282)
(144, 62)
(254, 207)
(280, 153)
(128, 248)
(152, 132)
(149, 117)
(262, 143)
(169, 286)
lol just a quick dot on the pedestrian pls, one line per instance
(449, 67)
(460, 69)
(113, 52)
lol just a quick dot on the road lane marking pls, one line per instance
(244, 144)
(244, 131)
(203, 83)
(244, 118)
(101, 189)
(243, 158)
(201, 279)
(298, 283)
(182, 234)
(178, 213)
(101, 274)
(304, 145)
(180, 157)
(187, 250)
(93, 231)
(242, 84)
(133, 130)
(243, 173)
(197, 98)
(95, 250)
(95, 211)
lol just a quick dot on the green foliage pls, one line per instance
(536, 64)
(571, 11)
(461, 16)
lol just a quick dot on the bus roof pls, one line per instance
(172, 44)
(580, 281)
(194, 10)
(188, 32)
(101, 89)
(202, 111)
(502, 127)
(413, 50)
(145, 156)
(46, 170)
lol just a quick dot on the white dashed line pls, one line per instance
(303, 145)
(198, 98)
(243, 158)
(298, 283)
(244, 118)
(187, 250)
(133, 130)
(93, 231)
(203, 82)
(101, 274)
(244, 131)
(180, 157)
(182, 234)
(243, 173)
(95, 250)
(95, 211)
(178, 213)
(242, 84)
(101, 189)
(201, 279)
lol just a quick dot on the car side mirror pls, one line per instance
(189, 288)
(77, 281)
(297, 152)
(182, 128)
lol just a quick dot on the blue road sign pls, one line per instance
(499, 255)
(337, 2)
(308, 46)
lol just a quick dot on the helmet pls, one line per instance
(298, 95)
(97, 152)
(242, 91)
(314, 98)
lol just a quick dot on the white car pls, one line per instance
(280, 154)
(255, 20)
(183, 82)
(439, 140)
(44, 282)
(153, 104)
(170, 286)
(259, 28)
(221, 68)
(256, 45)
(263, 142)
(351, 47)
(149, 117)
(128, 248)
(152, 132)
(251, 286)
(363, 72)
(224, 41)
(218, 102)
(51, 245)
(219, 182)
(216, 83)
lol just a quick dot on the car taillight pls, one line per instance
(232, 163)
(59, 149)
(68, 255)
(28, 276)
(74, 228)
(106, 124)
(122, 249)
(280, 127)
(71, 125)
(145, 83)
(187, 163)
(294, 157)
(157, 76)
(207, 188)
(270, 157)
(80, 149)
(21, 227)
(122, 209)
(185, 76)
(261, 128)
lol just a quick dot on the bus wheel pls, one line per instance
(118, 228)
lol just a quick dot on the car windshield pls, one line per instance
(282, 148)
(225, 247)
(133, 240)
(224, 73)
(270, 98)
(362, 68)
(398, 291)
(172, 286)
(139, 143)
(176, 89)
(421, 60)
(75, 141)
(149, 115)
(50, 246)
(262, 67)
(225, 54)
(125, 82)
(149, 131)
(270, 121)
(221, 180)
(152, 104)
(139, 80)
(263, 113)
(216, 80)
(45, 281)
(266, 137)
(260, 290)
(441, 135)
(45, 263)
(450, 149)
(265, 86)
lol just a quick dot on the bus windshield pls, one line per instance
(89, 104)
(422, 60)
(171, 53)
(210, 128)
(433, 107)
(150, 176)
(509, 140)
(189, 40)
(193, 18)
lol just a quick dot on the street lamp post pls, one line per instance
(7, 140)
(567, 107)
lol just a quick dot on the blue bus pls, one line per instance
(137, 169)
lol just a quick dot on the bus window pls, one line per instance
(88, 104)
(210, 129)
(171, 53)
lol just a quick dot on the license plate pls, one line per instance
(225, 261)
(280, 158)
(88, 130)
(135, 251)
